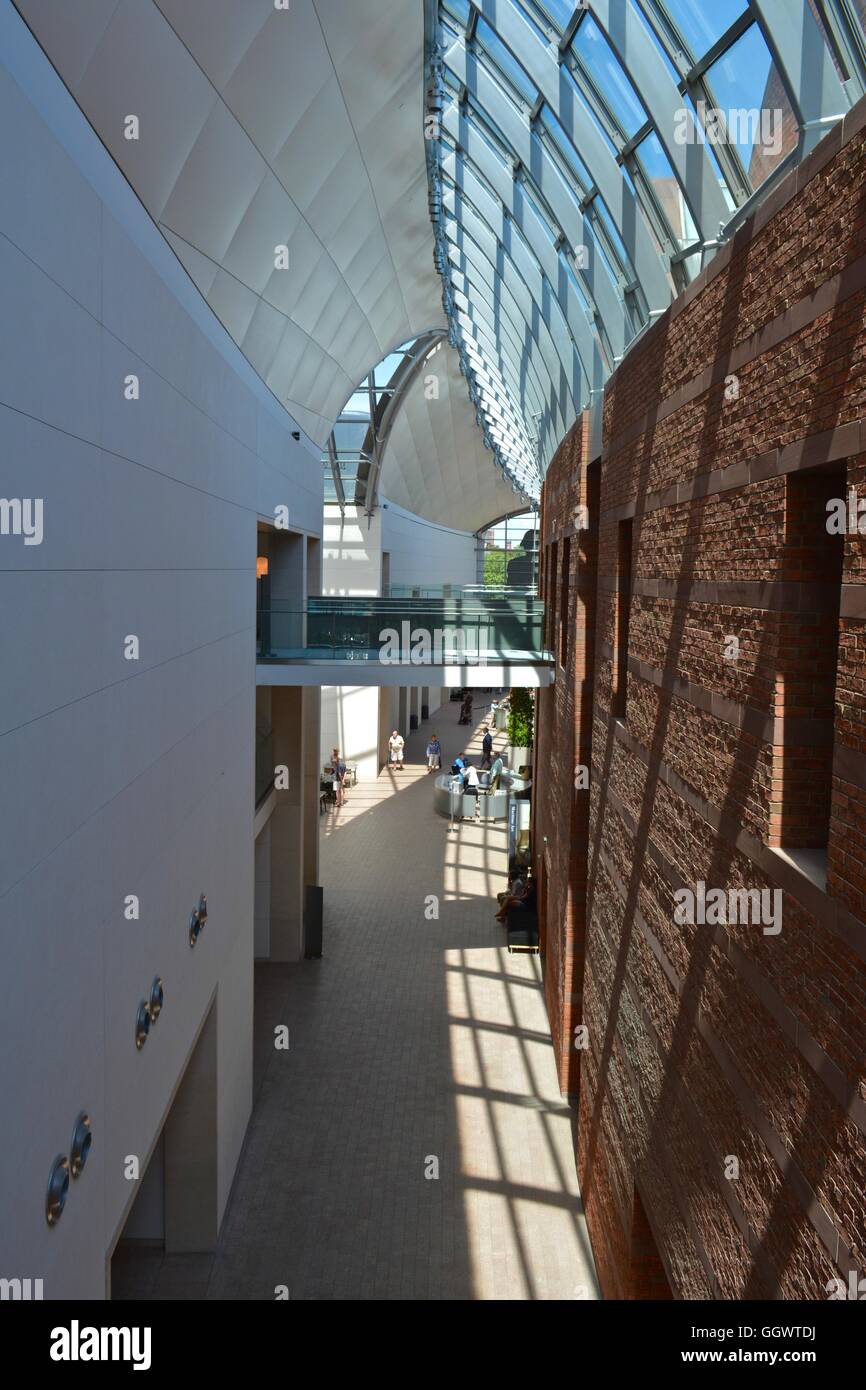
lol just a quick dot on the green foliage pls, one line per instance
(520, 718)
(494, 567)
(496, 564)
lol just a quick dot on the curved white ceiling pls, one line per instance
(435, 462)
(261, 127)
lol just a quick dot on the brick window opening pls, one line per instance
(808, 650)
(563, 601)
(623, 610)
(646, 1274)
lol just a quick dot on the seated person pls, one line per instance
(458, 766)
(524, 903)
(516, 889)
(496, 774)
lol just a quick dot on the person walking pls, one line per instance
(338, 776)
(486, 748)
(434, 754)
(496, 774)
(395, 745)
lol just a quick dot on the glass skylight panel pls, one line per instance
(534, 202)
(657, 43)
(451, 31)
(571, 95)
(604, 68)
(702, 22)
(460, 10)
(731, 201)
(388, 367)
(505, 61)
(560, 11)
(657, 170)
(358, 404)
(557, 134)
(598, 209)
(532, 21)
(604, 259)
(756, 115)
(574, 280)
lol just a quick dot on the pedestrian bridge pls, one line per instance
(478, 638)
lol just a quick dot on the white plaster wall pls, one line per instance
(118, 777)
(351, 552)
(350, 718)
(424, 553)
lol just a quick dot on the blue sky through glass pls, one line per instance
(701, 22)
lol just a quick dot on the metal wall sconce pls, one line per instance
(157, 997)
(142, 1025)
(82, 1139)
(58, 1186)
(197, 920)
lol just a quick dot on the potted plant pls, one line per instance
(520, 717)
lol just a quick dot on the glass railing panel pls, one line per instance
(416, 631)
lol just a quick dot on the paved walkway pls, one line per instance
(418, 1045)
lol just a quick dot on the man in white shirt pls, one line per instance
(395, 744)
(470, 784)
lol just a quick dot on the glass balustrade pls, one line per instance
(475, 627)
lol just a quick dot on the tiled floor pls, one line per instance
(418, 1045)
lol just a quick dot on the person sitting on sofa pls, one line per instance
(525, 903)
(516, 889)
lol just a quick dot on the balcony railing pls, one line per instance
(479, 627)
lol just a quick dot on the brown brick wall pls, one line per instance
(561, 810)
(717, 1044)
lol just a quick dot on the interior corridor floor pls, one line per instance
(418, 1046)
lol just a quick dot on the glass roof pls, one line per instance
(351, 458)
(588, 159)
(353, 455)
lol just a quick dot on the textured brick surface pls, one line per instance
(716, 1043)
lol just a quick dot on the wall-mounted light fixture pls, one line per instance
(82, 1139)
(195, 926)
(142, 1025)
(157, 995)
(58, 1186)
(198, 919)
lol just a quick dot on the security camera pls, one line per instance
(296, 434)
